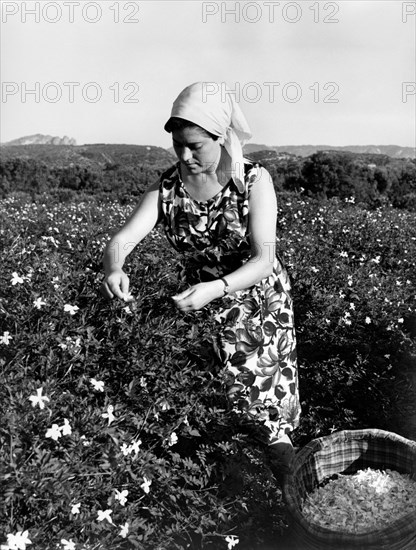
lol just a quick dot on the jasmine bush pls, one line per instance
(115, 431)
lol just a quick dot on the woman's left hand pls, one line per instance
(198, 296)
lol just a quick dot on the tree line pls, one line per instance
(371, 180)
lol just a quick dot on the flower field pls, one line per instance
(115, 432)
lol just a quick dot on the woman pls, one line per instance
(219, 210)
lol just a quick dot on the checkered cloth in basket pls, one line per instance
(347, 452)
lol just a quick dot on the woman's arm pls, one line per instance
(143, 219)
(262, 227)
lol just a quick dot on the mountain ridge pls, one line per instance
(41, 139)
(127, 171)
(393, 151)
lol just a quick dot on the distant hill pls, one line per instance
(125, 171)
(393, 151)
(64, 151)
(369, 160)
(97, 155)
(41, 139)
(121, 170)
(271, 156)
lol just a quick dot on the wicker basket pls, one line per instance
(346, 452)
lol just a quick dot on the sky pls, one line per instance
(305, 72)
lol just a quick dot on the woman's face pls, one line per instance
(196, 150)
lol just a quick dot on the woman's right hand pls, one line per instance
(116, 283)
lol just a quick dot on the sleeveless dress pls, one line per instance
(256, 340)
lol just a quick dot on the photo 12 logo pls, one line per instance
(53, 92)
(290, 92)
(70, 12)
(408, 90)
(272, 12)
(409, 12)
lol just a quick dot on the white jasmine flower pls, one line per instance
(16, 280)
(146, 484)
(98, 384)
(18, 541)
(124, 530)
(164, 405)
(6, 338)
(173, 439)
(121, 496)
(232, 541)
(105, 514)
(109, 414)
(66, 428)
(71, 309)
(125, 449)
(39, 399)
(54, 432)
(68, 544)
(135, 446)
(38, 303)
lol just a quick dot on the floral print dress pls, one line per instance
(257, 342)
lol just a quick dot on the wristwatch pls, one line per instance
(226, 286)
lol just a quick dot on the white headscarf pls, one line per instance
(212, 106)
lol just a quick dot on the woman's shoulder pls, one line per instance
(254, 171)
(169, 177)
(170, 172)
(250, 165)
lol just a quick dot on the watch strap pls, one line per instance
(226, 285)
